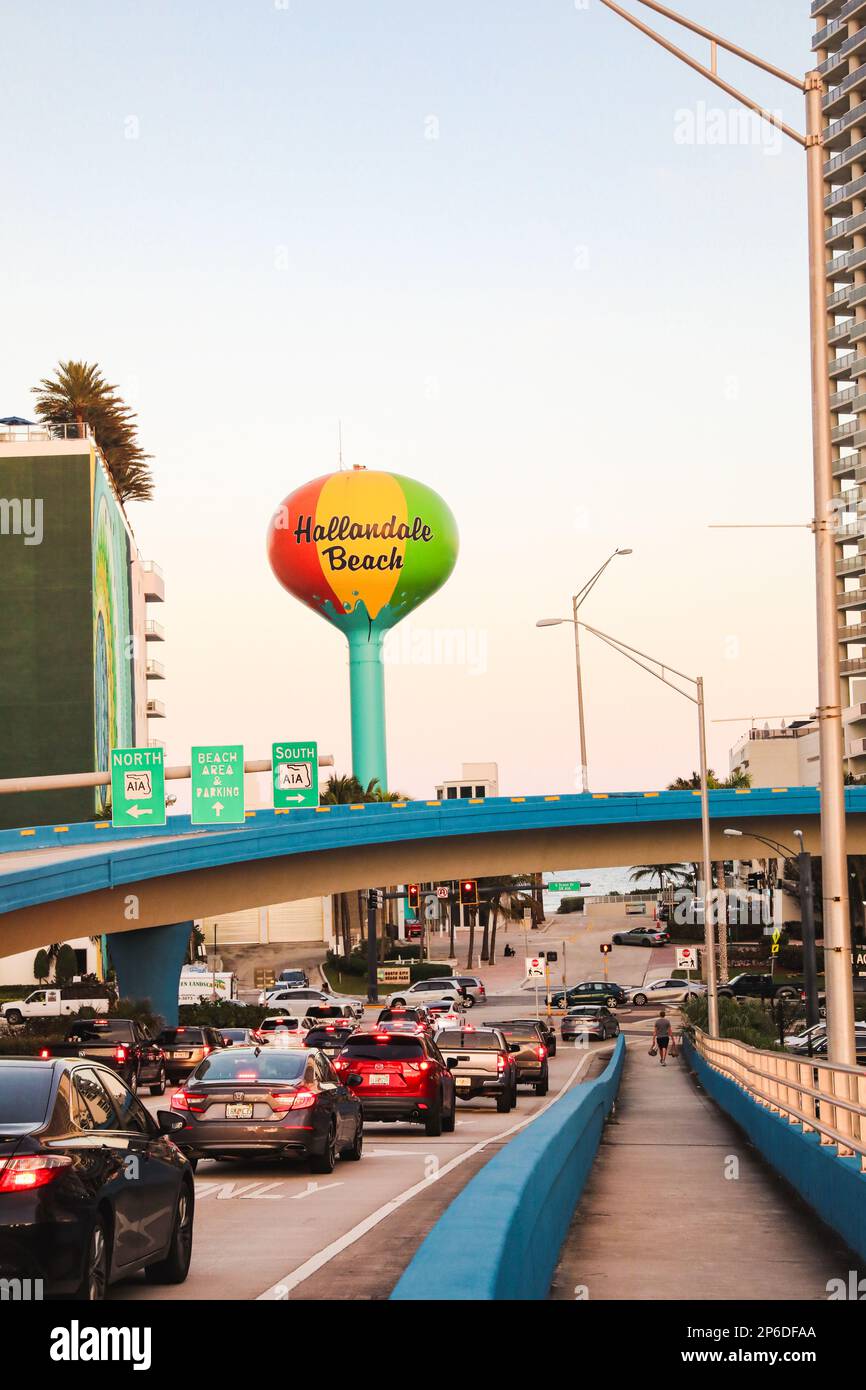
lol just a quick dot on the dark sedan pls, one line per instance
(531, 1057)
(185, 1047)
(590, 992)
(247, 1102)
(589, 1021)
(330, 1038)
(91, 1188)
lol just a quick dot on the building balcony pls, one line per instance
(836, 134)
(155, 671)
(841, 200)
(156, 743)
(852, 532)
(849, 466)
(154, 631)
(831, 36)
(851, 566)
(842, 268)
(828, 8)
(852, 599)
(853, 666)
(838, 301)
(836, 99)
(855, 633)
(854, 714)
(853, 155)
(839, 335)
(42, 432)
(856, 748)
(834, 68)
(153, 582)
(841, 433)
(847, 367)
(155, 709)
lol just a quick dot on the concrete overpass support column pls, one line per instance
(148, 964)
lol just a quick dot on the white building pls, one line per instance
(18, 969)
(788, 756)
(475, 781)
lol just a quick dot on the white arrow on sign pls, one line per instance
(135, 811)
(294, 798)
(218, 809)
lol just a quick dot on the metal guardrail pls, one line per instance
(42, 431)
(824, 1097)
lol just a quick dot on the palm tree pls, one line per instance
(673, 874)
(79, 394)
(693, 783)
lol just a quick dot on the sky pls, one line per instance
(516, 251)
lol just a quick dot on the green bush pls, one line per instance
(66, 965)
(225, 1013)
(747, 1022)
(571, 905)
(355, 964)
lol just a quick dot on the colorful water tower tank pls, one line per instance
(363, 548)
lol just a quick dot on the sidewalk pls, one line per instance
(660, 1220)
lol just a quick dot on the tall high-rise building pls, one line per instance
(75, 629)
(840, 49)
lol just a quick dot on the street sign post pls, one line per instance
(563, 886)
(217, 784)
(295, 775)
(687, 959)
(137, 786)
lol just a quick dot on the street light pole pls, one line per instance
(576, 602)
(640, 658)
(837, 930)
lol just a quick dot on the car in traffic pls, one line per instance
(330, 1038)
(186, 1046)
(282, 1030)
(293, 978)
(123, 1044)
(482, 1064)
(237, 1036)
(248, 1102)
(605, 992)
(69, 1214)
(666, 990)
(423, 991)
(400, 1077)
(58, 1001)
(471, 986)
(531, 1057)
(593, 1021)
(641, 936)
(416, 1014)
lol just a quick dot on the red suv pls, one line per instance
(399, 1077)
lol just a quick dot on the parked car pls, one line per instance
(396, 1077)
(799, 1042)
(57, 1002)
(593, 1021)
(482, 1064)
(755, 986)
(186, 1046)
(330, 1038)
(641, 936)
(244, 1102)
(590, 992)
(123, 1044)
(532, 1054)
(68, 1213)
(424, 990)
(663, 991)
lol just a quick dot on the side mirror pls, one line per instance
(227, 1042)
(354, 1079)
(169, 1122)
(514, 1047)
(451, 1063)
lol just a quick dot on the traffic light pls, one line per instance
(605, 948)
(468, 892)
(413, 893)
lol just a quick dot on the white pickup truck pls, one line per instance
(57, 1000)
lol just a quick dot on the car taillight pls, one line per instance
(120, 1053)
(423, 1066)
(34, 1170)
(207, 1051)
(340, 1063)
(187, 1100)
(293, 1100)
(45, 1053)
(500, 1063)
(542, 1052)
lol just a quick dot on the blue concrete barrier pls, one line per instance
(833, 1187)
(512, 1218)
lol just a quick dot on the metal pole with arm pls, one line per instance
(837, 931)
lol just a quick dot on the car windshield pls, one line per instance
(517, 1030)
(236, 1034)
(237, 1065)
(477, 1042)
(279, 1025)
(327, 1037)
(389, 1049)
(179, 1037)
(24, 1092)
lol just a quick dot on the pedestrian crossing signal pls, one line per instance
(605, 948)
(469, 892)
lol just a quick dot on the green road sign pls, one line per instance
(296, 775)
(563, 886)
(137, 786)
(218, 784)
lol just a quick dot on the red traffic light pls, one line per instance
(413, 893)
(469, 892)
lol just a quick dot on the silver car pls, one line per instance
(665, 991)
(428, 991)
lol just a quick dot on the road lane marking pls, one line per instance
(312, 1188)
(283, 1287)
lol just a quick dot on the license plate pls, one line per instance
(463, 1080)
(239, 1112)
(377, 1080)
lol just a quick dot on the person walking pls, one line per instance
(662, 1036)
